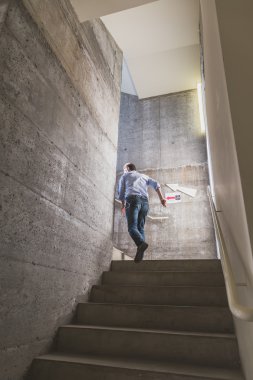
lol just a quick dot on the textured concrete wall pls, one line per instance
(58, 144)
(162, 136)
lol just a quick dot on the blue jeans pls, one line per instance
(136, 211)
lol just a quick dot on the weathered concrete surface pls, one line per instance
(161, 132)
(162, 136)
(70, 46)
(3, 11)
(57, 172)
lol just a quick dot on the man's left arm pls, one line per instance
(161, 197)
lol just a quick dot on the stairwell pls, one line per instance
(154, 320)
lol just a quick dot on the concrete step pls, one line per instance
(68, 367)
(219, 350)
(212, 265)
(163, 278)
(160, 295)
(161, 317)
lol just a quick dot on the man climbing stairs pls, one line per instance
(154, 320)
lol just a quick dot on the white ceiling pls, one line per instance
(165, 72)
(155, 27)
(89, 9)
(160, 41)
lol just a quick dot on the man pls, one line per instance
(133, 193)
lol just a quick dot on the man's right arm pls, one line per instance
(121, 191)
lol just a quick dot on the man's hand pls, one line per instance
(161, 197)
(164, 202)
(123, 209)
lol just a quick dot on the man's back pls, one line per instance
(135, 183)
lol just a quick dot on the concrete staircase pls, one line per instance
(154, 320)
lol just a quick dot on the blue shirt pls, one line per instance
(134, 183)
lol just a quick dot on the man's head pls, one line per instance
(129, 167)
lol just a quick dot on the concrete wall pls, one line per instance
(228, 60)
(162, 136)
(59, 105)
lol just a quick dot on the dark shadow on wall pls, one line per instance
(57, 166)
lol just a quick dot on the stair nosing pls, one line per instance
(173, 260)
(169, 306)
(145, 330)
(165, 271)
(159, 286)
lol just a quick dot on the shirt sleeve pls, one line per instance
(122, 188)
(153, 183)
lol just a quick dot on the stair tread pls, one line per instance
(149, 366)
(145, 330)
(160, 294)
(165, 277)
(159, 317)
(189, 265)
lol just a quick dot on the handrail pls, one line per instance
(123, 254)
(239, 311)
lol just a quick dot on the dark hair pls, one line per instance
(131, 167)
